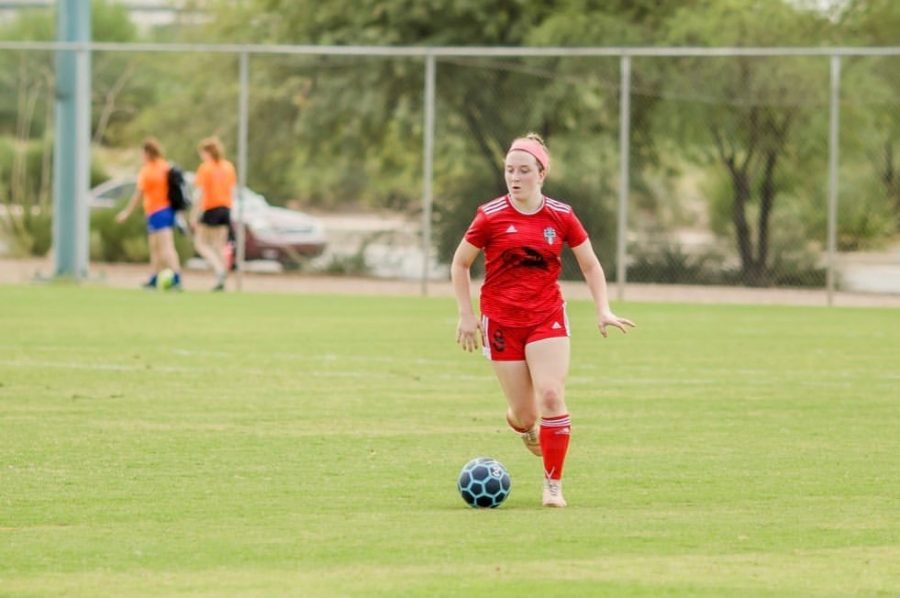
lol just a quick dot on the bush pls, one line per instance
(671, 265)
(127, 242)
(29, 219)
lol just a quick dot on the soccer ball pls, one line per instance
(165, 279)
(484, 483)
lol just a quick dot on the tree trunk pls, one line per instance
(889, 176)
(766, 202)
(477, 130)
(740, 183)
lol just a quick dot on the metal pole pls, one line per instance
(72, 144)
(427, 168)
(624, 162)
(456, 51)
(833, 173)
(242, 164)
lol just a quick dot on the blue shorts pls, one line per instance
(160, 220)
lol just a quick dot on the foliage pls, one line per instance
(346, 132)
(752, 117)
(127, 242)
(672, 264)
(25, 200)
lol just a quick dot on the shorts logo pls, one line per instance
(550, 235)
(498, 341)
(556, 326)
(512, 229)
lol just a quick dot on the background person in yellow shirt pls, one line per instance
(153, 186)
(211, 215)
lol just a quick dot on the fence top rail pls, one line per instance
(459, 51)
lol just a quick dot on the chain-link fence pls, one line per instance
(687, 166)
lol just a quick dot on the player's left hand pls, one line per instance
(608, 318)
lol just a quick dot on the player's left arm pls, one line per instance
(596, 281)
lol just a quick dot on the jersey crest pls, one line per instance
(550, 235)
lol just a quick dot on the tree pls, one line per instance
(874, 85)
(749, 114)
(27, 102)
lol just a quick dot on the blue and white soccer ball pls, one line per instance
(484, 483)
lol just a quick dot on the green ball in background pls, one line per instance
(165, 279)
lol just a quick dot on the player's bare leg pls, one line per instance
(168, 256)
(522, 410)
(155, 261)
(208, 245)
(548, 362)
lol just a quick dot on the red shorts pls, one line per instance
(507, 343)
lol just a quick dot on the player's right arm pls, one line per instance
(467, 331)
(132, 203)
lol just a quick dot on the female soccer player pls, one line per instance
(524, 328)
(215, 180)
(153, 185)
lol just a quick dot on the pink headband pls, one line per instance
(534, 148)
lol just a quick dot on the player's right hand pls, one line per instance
(468, 331)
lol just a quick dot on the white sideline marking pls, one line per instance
(73, 365)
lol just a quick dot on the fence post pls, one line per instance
(242, 163)
(427, 167)
(833, 132)
(72, 155)
(624, 165)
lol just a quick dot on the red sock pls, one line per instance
(555, 444)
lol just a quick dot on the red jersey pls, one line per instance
(522, 258)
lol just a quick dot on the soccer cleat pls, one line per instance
(553, 496)
(532, 441)
(531, 438)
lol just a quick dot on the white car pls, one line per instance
(270, 232)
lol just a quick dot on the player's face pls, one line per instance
(523, 175)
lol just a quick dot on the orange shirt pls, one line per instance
(216, 181)
(153, 181)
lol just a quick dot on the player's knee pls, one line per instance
(525, 418)
(551, 398)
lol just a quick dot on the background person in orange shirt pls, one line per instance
(215, 181)
(153, 186)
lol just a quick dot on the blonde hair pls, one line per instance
(152, 148)
(535, 137)
(212, 146)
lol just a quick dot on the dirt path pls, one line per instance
(14, 271)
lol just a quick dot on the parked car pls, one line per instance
(271, 232)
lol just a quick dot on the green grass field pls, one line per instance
(254, 444)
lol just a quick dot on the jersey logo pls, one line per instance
(550, 235)
(556, 326)
(498, 341)
(512, 229)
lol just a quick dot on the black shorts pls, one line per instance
(220, 216)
